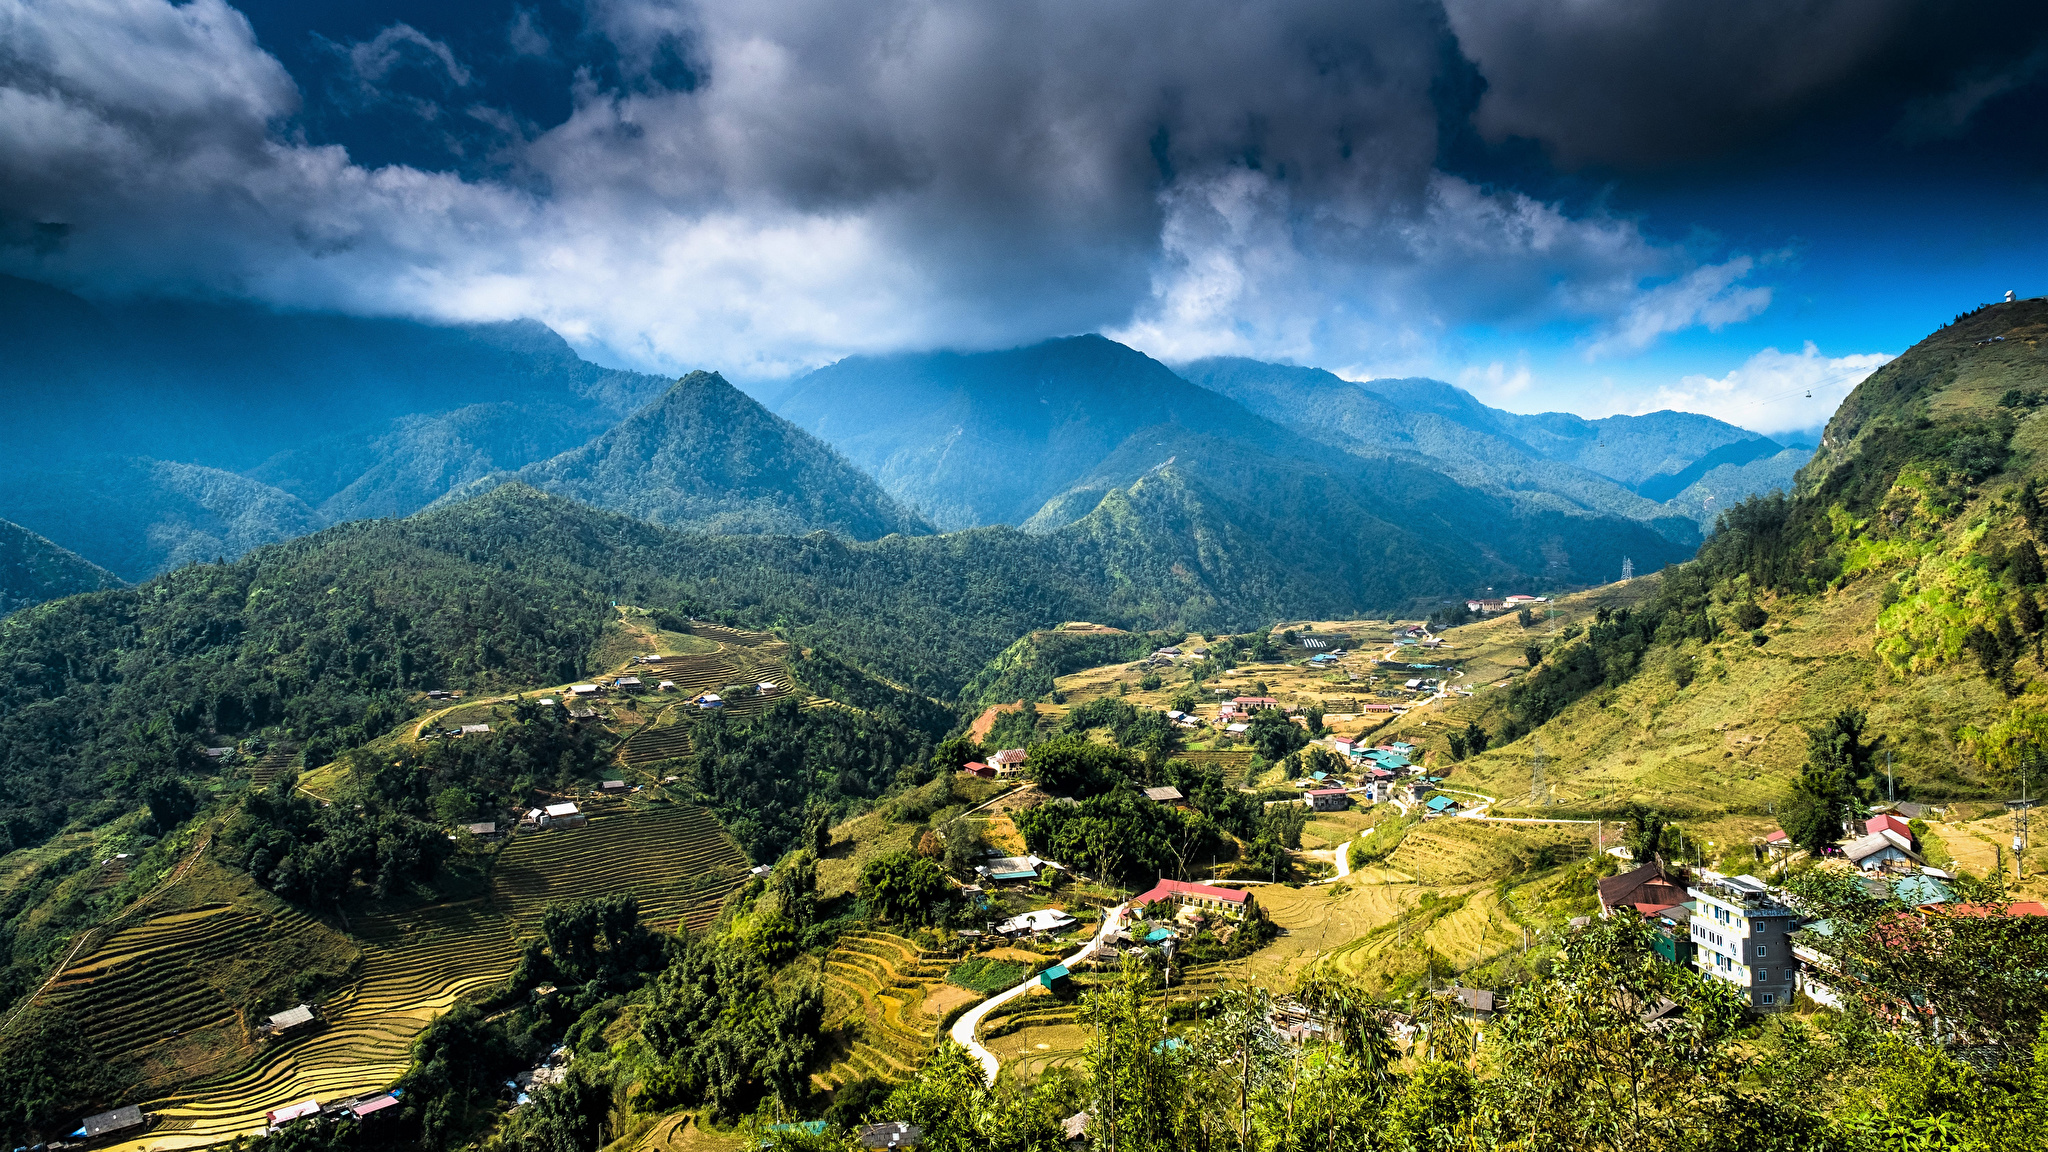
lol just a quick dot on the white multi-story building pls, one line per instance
(1741, 934)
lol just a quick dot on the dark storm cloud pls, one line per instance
(764, 185)
(1644, 82)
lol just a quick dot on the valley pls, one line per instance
(693, 827)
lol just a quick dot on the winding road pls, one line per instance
(964, 1028)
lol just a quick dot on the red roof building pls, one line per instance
(1201, 895)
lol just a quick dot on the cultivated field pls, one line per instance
(876, 984)
(676, 859)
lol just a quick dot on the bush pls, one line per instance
(1749, 617)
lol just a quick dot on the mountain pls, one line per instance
(1627, 449)
(705, 457)
(33, 570)
(326, 417)
(138, 516)
(1355, 419)
(1898, 584)
(971, 439)
(1629, 466)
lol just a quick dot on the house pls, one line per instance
(613, 787)
(665, 686)
(1237, 728)
(1777, 843)
(894, 1134)
(1648, 884)
(1885, 849)
(1007, 868)
(1041, 920)
(1440, 805)
(547, 701)
(563, 815)
(627, 684)
(1008, 762)
(1054, 977)
(582, 713)
(475, 729)
(488, 830)
(289, 1113)
(977, 768)
(120, 1120)
(1475, 1004)
(767, 686)
(439, 694)
(1673, 932)
(1167, 795)
(582, 689)
(710, 700)
(1226, 900)
(1329, 799)
(1886, 822)
(375, 1104)
(1402, 747)
(1742, 934)
(290, 1019)
(1255, 703)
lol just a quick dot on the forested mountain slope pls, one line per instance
(1902, 579)
(33, 570)
(705, 457)
(987, 438)
(322, 418)
(1353, 418)
(1629, 466)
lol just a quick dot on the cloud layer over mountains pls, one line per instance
(765, 186)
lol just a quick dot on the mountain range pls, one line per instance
(159, 434)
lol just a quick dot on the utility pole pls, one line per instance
(1890, 792)
(1536, 785)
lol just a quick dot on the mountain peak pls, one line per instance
(705, 457)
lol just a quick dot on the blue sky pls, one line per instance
(1598, 206)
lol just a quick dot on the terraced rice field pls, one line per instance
(1234, 763)
(677, 860)
(876, 982)
(163, 977)
(1326, 920)
(1458, 851)
(269, 766)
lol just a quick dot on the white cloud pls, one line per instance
(1196, 176)
(1772, 391)
(1712, 296)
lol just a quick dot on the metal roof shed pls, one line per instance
(108, 1123)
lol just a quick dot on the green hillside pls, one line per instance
(33, 570)
(705, 457)
(1901, 578)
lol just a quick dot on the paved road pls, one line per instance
(964, 1028)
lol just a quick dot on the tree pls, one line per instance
(1533, 653)
(904, 887)
(796, 888)
(571, 1116)
(1647, 834)
(1273, 735)
(2023, 565)
(1141, 1083)
(1836, 759)
(1580, 1063)
(1748, 616)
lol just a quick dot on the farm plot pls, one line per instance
(178, 974)
(1458, 851)
(1323, 921)
(875, 986)
(677, 859)
(1233, 763)
(414, 968)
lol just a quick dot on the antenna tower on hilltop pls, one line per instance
(1628, 569)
